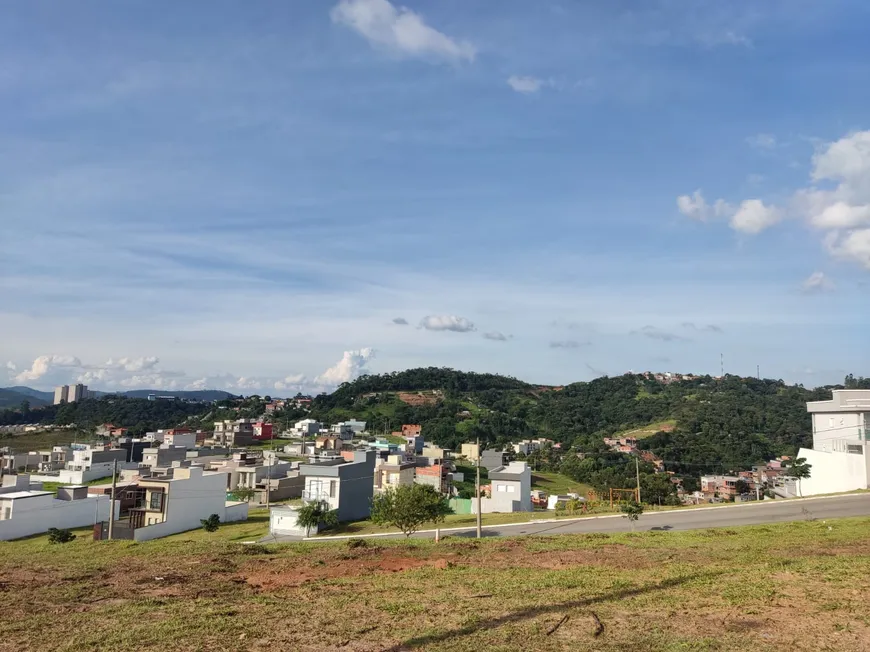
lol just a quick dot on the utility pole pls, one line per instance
(112, 503)
(637, 472)
(479, 518)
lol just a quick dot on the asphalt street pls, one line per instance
(773, 511)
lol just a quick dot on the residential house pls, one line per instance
(491, 459)
(470, 451)
(92, 463)
(511, 490)
(178, 501)
(345, 486)
(411, 430)
(246, 469)
(183, 438)
(436, 475)
(20, 482)
(528, 446)
(722, 486)
(127, 495)
(234, 433)
(840, 457)
(262, 431)
(650, 458)
(342, 430)
(306, 428)
(15, 462)
(356, 426)
(25, 513)
(163, 456)
(394, 472)
(290, 485)
(54, 459)
(328, 443)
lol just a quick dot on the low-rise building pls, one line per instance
(470, 451)
(178, 501)
(393, 473)
(15, 462)
(25, 513)
(347, 487)
(511, 490)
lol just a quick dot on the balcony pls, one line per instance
(315, 496)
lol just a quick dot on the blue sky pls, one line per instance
(251, 196)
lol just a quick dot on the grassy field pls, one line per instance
(800, 587)
(32, 441)
(556, 483)
(647, 431)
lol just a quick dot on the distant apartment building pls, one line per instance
(70, 393)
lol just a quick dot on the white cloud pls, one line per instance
(351, 366)
(754, 216)
(11, 366)
(447, 323)
(399, 30)
(496, 336)
(762, 141)
(841, 215)
(295, 381)
(133, 364)
(525, 84)
(45, 365)
(697, 208)
(853, 246)
(817, 282)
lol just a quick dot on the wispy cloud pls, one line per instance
(400, 30)
(400, 321)
(752, 216)
(496, 336)
(817, 282)
(705, 328)
(447, 323)
(568, 344)
(762, 141)
(655, 333)
(526, 85)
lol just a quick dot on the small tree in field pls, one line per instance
(632, 511)
(243, 494)
(799, 469)
(408, 507)
(211, 523)
(56, 535)
(316, 514)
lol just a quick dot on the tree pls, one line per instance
(211, 523)
(741, 487)
(409, 506)
(56, 535)
(798, 468)
(243, 494)
(316, 514)
(632, 511)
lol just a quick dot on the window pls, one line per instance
(156, 500)
(510, 488)
(332, 488)
(7, 513)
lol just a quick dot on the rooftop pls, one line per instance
(25, 494)
(844, 400)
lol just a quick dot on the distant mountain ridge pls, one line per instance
(13, 396)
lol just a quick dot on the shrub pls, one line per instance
(211, 523)
(56, 535)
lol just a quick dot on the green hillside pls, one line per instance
(12, 398)
(696, 426)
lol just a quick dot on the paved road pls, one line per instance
(773, 511)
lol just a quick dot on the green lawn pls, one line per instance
(556, 483)
(801, 587)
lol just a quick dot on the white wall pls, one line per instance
(188, 502)
(282, 521)
(186, 439)
(828, 427)
(833, 472)
(50, 513)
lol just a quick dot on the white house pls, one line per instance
(840, 456)
(183, 439)
(178, 502)
(511, 490)
(25, 513)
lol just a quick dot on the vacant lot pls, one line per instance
(556, 483)
(799, 586)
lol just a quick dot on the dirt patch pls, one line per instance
(283, 574)
(419, 398)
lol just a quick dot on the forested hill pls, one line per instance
(717, 424)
